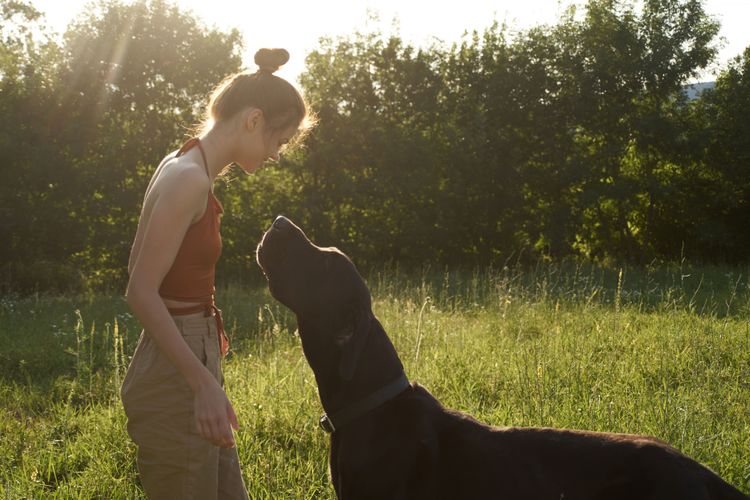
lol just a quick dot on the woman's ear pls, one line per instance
(253, 119)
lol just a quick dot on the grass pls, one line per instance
(662, 351)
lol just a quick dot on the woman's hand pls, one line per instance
(214, 415)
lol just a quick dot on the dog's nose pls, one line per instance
(281, 222)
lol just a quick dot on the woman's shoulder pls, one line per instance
(181, 173)
(180, 182)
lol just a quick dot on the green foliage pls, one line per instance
(560, 139)
(722, 135)
(572, 139)
(657, 350)
(36, 228)
(365, 175)
(85, 132)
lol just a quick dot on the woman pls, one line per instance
(178, 413)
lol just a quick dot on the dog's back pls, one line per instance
(473, 460)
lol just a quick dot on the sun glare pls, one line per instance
(297, 25)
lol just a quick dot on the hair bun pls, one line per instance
(269, 60)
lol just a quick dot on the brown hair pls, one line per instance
(281, 104)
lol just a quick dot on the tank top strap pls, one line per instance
(203, 155)
(195, 141)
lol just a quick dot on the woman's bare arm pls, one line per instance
(145, 209)
(182, 196)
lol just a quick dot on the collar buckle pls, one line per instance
(326, 424)
(363, 406)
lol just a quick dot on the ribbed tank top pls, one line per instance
(191, 277)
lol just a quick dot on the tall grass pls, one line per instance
(663, 351)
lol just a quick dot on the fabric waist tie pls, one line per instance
(209, 309)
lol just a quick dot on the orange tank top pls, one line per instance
(191, 277)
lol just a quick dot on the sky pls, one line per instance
(297, 25)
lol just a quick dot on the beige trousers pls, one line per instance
(174, 461)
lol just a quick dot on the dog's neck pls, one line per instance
(378, 365)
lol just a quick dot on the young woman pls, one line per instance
(178, 413)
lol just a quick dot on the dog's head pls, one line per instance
(323, 288)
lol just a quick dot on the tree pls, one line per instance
(370, 172)
(631, 69)
(35, 225)
(721, 138)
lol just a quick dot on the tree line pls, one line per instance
(574, 139)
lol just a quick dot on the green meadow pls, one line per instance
(663, 351)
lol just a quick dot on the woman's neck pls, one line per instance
(217, 145)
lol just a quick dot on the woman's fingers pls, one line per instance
(199, 427)
(206, 428)
(219, 431)
(215, 417)
(223, 432)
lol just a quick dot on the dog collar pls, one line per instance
(330, 423)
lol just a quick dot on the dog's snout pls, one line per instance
(281, 222)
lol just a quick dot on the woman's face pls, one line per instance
(260, 144)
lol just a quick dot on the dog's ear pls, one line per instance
(352, 341)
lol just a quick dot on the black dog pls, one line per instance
(394, 440)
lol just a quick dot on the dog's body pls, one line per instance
(408, 446)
